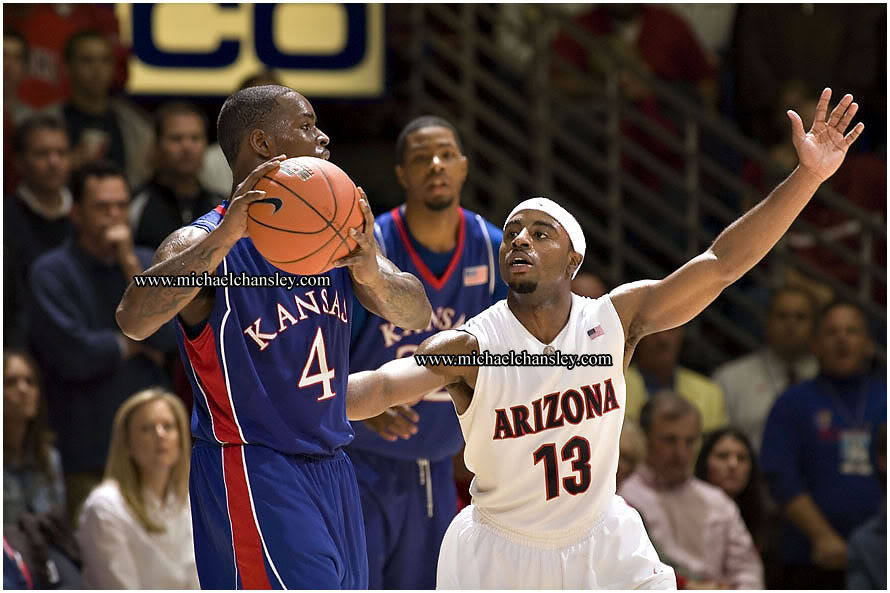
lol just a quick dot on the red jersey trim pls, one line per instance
(437, 283)
(203, 357)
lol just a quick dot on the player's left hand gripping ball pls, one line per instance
(363, 259)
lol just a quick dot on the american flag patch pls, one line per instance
(475, 275)
(595, 332)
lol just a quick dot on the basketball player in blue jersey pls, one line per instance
(543, 441)
(407, 486)
(274, 499)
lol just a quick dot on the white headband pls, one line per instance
(560, 215)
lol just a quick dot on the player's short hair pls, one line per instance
(71, 44)
(424, 121)
(245, 110)
(101, 169)
(666, 404)
(171, 108)
(823, 313)
(33, 123)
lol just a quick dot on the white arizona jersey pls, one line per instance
(543, 440)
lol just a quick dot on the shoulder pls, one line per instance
(57, 260)
(178, 241)
(452, 341)
(496, 313)
(104, 499)
(718, 501)
(798, 397)
(484, 225)
(385, 219)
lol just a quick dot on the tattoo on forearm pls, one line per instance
(168, 301)
(397, 299)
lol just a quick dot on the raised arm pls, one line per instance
(143, 309)
(651, 306)
(380, 286)
(404, 381)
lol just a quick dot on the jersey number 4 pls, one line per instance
(324, 374)
(578, 451)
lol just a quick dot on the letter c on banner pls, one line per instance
(145, 49)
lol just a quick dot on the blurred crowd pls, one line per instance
(769, 473)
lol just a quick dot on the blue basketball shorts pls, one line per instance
(403, 540)
(266, 520)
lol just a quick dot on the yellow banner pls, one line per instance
(209, 49)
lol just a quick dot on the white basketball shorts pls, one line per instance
(614, 554)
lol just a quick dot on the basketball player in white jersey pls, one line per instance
(543, 441)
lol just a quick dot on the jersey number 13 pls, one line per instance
(577, 450)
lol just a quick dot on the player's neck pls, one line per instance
(435, 230)
(544, 316)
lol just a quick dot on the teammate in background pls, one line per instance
(537, 438)
(274, 498)
(407, 486)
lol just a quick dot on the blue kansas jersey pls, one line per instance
(470, 284)
(270, 366)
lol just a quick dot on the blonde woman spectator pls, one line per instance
(135, 530)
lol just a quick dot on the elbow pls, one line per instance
(128, 325)
(422, 314)
(727, 269)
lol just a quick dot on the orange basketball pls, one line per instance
(302, 225)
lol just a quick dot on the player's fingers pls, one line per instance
(261, 170)
(408, 412)
(822, 105)
(850, 138)
(797, 131)
(838, 112)
(349, 260)
(848, 117)
(384, 432)
(363, 239)
(401, 427)
(366, 211)
(252, 196)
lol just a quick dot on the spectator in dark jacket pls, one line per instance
(89, 366)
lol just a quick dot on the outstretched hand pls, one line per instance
(822, 150)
